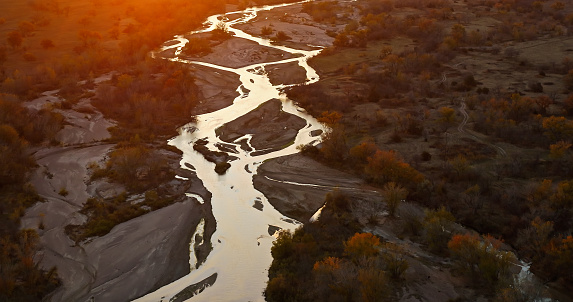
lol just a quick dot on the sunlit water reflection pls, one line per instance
(241, 244)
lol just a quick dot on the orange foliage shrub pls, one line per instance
(385, 166)
(362, 245)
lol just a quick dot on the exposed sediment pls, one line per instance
(270, 127)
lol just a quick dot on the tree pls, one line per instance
(562, 197)
(393, 62)
(437, 229)
(3, 56)
(338, 201)
(447, 116)
(89, 38)
(15, 39)
(472, 198)
(394, 259)
(330, 118)
(283, 247)
(47, 43)
(543, 102)
(558, 150)
(459, 164)
(113, 33)
(124, 81)
(359, 154)
(362, 245)
(532, 239)
(539, 192)
(561, 258)
(384, 166)
(558, 128)
(26, 28)
(481, 259)
(458, 33)
(558, 6)
(335, 277)
(568, 80)
(373, 284)
(568, 104)
(537, 6)
(385, 51)
(334, 144)
(393, 194)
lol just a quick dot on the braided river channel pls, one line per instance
(236, 268)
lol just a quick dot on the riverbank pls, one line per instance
(137, 256)
(297, 185)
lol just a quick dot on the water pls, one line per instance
(241, 242)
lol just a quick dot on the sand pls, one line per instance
(137, 256)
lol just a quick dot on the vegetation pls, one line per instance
(151, 105)
(20, 277)
(481, 259)
(397, 76)
(103, 215)
(397, 81)
(324, 260)
(136, 166)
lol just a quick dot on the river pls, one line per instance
(240, 257)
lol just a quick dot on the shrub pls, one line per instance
(29, 57)
(395, 262)
(481, 258)
(393, 194)
(396, 138)
(437, 229)
(362, 245)
(221, 32)
(222, 167)
(197, 47)
(426, 156)
(339, 201)
(281, 36)
(266, 31)
(63, 192)
(47, 43)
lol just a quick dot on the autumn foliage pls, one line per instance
(385, 166)
(362, 245)
(481, 258)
